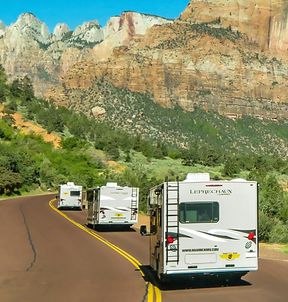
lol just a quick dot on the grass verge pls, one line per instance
(285, 249)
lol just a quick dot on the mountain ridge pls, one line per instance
(28, 48)
(220, 58)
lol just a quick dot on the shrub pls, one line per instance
(231, 167)
(9, 181)
(72, 143)
(265, 226)
(271, 197)
(279, 233)
(6, 132)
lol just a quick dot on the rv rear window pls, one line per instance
(74, 193)
(196, 212)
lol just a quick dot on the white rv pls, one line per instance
(203, 227)
(112, 205)
(70, 196)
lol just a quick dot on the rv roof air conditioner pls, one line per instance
(196, 177)
(70, 184)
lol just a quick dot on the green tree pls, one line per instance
(3, 77)
(3, 85)
(265, 226)
(47, 173)
(113, 152)
(27, 89)
(6, 132)
(279, 233)
(190, 157)
(9, 119)
(11, 107)
(137, 146)
(22, 87)
(54, 122)
(231, 167)
(174, 153)
(72, 143)
(9, 181)
(271, 197)
(127, 157)
(209, 156)
(16, 88)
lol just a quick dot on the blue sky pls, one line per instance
(76, 12)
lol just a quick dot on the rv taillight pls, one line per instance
(251, 236)
(170, 239)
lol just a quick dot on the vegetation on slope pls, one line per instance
(27, 162)
(137, 113)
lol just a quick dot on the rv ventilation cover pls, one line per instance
(195, 177)
(111, 184)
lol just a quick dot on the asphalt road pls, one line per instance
(44, 257)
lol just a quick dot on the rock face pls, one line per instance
(263, 21)
(28, 25)
(195, 65)
(89, 31)
(227, 55)
(132, 23)
(120, 30)
(27, 47)
(60, 31)
(22, 51)
(98, 111)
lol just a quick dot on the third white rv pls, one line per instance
(70, 196)
(112, 205)
(204, 227)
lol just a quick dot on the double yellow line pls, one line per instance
(152, 289)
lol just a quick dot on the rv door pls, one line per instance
(156, 240)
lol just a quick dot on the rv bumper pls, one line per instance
(210, 272)
(212, 276)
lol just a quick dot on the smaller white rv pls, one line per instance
(112, 205)
(70, 196)
(201, 227)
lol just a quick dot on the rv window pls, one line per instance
(196, 212)
(153, 221)
(159, 217)
(74, 193)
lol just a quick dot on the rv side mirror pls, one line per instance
(143, 230)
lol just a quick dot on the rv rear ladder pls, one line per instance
(172, 221)
(133, 205)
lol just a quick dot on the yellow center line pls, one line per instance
(158, 294)
(127, 256)
(150, 293)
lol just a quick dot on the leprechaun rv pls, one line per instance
(112, 205)
(203, 227)
(70, 196)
